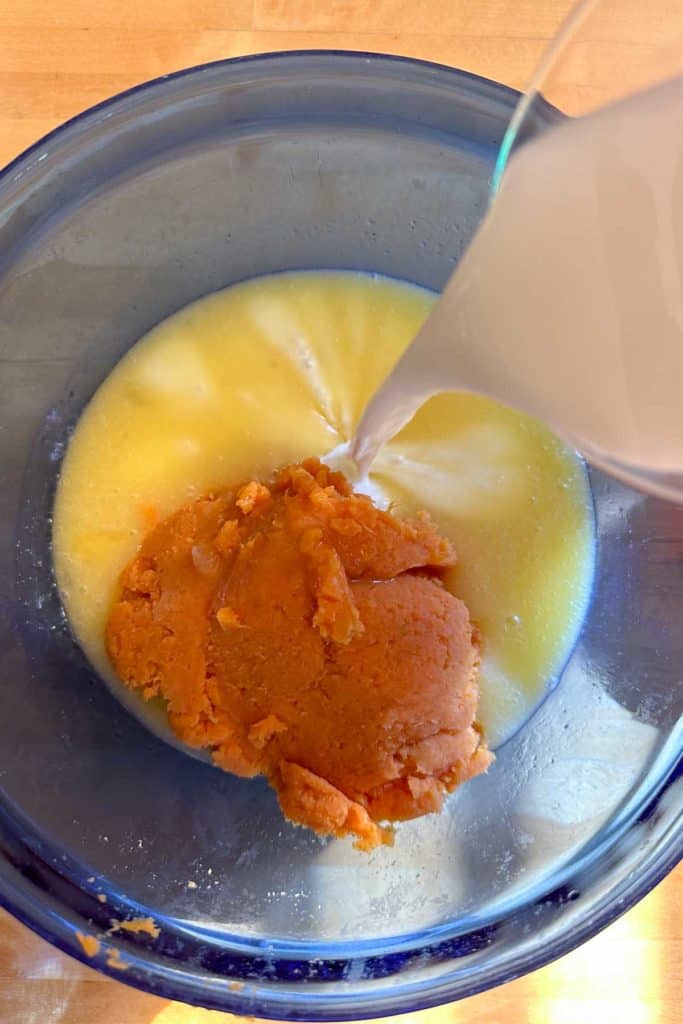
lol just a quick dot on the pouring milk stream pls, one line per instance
(568, 303)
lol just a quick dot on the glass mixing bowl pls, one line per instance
(108, 225)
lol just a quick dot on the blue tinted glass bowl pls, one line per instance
(116, 220)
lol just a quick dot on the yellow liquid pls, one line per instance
(280, 368)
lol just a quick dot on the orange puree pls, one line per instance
(137, 925)
(298, 631)
(89, 944)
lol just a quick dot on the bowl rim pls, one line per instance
(41, 911)
(265, 57)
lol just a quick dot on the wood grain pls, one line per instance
(56, 58)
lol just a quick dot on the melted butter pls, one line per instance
(280, 368)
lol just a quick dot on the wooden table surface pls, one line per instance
(58, 57)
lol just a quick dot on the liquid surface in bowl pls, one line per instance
(280, 368)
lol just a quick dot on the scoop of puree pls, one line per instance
(298, 631)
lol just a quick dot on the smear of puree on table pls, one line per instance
(295, 628)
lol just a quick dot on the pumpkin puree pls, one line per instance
(297, 631)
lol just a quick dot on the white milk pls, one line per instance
(569, 302)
